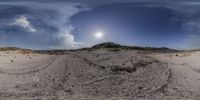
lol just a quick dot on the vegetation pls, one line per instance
(116, 47)
(9, 49)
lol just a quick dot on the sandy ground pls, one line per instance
(99, 75)
(185, 78)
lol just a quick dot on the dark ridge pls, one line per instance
(107, 45)
(13, 49)
(117, 47)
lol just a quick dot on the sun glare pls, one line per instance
(98, 35)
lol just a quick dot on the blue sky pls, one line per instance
(73, 24)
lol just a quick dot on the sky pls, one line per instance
(71, 24)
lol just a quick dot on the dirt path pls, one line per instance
(84, 74)
(185, 77)
(35, 79)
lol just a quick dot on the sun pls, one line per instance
(99, 35)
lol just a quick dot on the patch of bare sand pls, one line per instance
(185, 78)
(98, 74)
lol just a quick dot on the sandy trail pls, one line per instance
(185, 77)
(18, 79)
(98, 74)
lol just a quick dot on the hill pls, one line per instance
(111, 46)
(117, 47)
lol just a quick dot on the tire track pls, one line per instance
(36, 69)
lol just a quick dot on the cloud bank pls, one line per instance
(39, 26)
(24, 23)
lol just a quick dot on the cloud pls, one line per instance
(52, 28)
(24, 23)
(188, 13)
(68, 38)
(50, 23)
(63, 24)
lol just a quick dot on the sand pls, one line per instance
(99, 75)
(185, 79)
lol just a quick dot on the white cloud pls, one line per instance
(65, 34)
(22, 21)
(63, 24)
(53, 24)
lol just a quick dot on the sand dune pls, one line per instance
(99, 74)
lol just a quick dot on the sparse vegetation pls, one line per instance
(103, 71)
(116, 47)
(9, 49)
